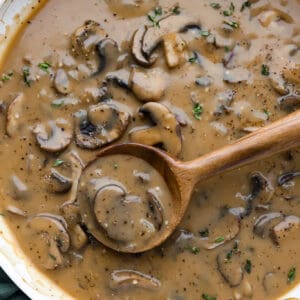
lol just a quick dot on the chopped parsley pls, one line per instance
(291, 275)
(246, 4)
(192, 59)
(265, 70)
(7, 76)
(226, 48)
(44, 66)
(176, 10)
(26, 76)
(205, 33)
(208, 297)
(220, 239)
(153, 17)
(229, 255)
(232, 24)
(204, 232)
(115, 166)
(197, 111)
(57, 103)
(215, 5)
(248, 266)
(267, 113)
(58, 162)
(229, 12)
(193, 249)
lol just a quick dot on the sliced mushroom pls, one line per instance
(101, 125)
(265, 222)
(278, 83)
(148, 85)
(236, 75)
(224, 230)
(59, 183)
(50, 231)
(61, 82)
(286, 177)
(108, 52)
(166, 130)
(272, 282)
(174, 47)
(289, 102)
(230, 268)
(137, 48)
(16, 211)
(20, 189)
(54, 136)
(125, 279)
(284, 229)
(14, 113)
(156, 208)
(121, 77)
(86, 37)
(172, 23)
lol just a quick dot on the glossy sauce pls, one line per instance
(237, 70)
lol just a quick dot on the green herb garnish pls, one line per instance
(220, 239)
(152, 17)
(57, 103)
(7, 76)
(215, 5)
(193, 249)
(58, 162)
(176, 10)
(291, 275)
(267, 113)
(232, 24)
(248, 266)
(205, 33)
(204, 232)
(229, 255)
(246, 4)
(229, 12)
(265, 70)
(115, 166)
(44, 66)
(208, 297)
(197, 111)
(26, 76)
(193, 59)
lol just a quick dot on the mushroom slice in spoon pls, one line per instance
(165, 129)
(51, 236)
(101, 125)
(124, 279)
(86, 37)
(54, 136)
(137, 48)
(172, 23)
(148, 85)
(13, 115)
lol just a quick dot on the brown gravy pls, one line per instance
(84, 74)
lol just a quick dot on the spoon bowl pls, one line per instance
(181, 177)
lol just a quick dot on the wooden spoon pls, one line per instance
(181, 177)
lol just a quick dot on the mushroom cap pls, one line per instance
(86, 37)
(171, 23)
(101, 125)
(148, 85)
(108, 52)
(137, 52)
(59, 136)
(166, 130)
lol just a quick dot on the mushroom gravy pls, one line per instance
(187, 76)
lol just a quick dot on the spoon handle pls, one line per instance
(277, 137)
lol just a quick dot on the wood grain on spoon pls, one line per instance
(181, 177)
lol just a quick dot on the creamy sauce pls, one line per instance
(199, 76)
